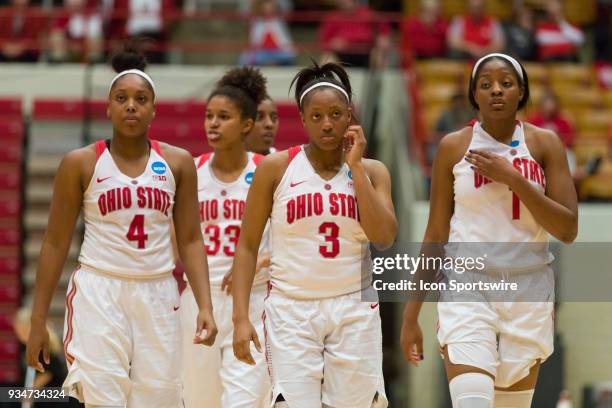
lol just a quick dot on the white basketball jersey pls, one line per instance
(489, 212)
(128, 220)
(319, 248)
(221, 210)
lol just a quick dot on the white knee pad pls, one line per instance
(513, 399)
(472, 390)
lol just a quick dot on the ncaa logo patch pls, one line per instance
(350, 174)
(249, 177)
(158, 167)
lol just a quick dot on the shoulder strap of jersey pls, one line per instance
(100, 148)
(257, 158)
(293, 151)
(472, 122)
(203, 159)
(155, 146)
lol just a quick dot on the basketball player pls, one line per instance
(261, 138)
(492, 350)
(122, 334)
(324, 344)
(214, 377)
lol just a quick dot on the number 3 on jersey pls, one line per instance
(330, 231)
(136, 231)
(213, 233)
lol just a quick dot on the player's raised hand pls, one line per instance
(411, 341)
(244, 333)
(206, 328)
(354, 144)
(491, 165)
(38, 341)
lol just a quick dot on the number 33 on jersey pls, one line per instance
(127, 219)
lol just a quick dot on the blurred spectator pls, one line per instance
(20, 32)
(424, 35)
(269, 38)
(549, 117)
(603, 34)
(143, 19)
(457, 115)
(475, 34)
(520, 34)
(77, 35)
(355, 35)
(557, 39)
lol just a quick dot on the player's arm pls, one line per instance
(65, 208)
(190, 244)
(257, 211)
(372, 185)
(557, 209)
(441, 207)
(376, 210)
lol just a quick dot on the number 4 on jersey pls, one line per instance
(136, 231)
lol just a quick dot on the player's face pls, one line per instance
(326, 116)
(261, 138)
(224, 123)
(497, 90)
(131, 108)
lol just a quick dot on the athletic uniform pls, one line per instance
(212, 376)
(504, 338)
(324, 346)
(121, 328)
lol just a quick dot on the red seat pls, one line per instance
(58, 109)
(11, 149)
(9, 265)
(288, 111)
(9, 290)
(11, 128)
(10, 232)
(10, 203)
(10, 107)
(6, 319)
(10, 177)
(169, 110)
(10, 371)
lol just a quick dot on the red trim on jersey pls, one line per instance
(516, 206)
(203, 159)
(155, 146)
(293, 151)
(257, 158)
(472, 122)
(69, 314)
(100, 148)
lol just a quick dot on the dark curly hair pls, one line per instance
(128, 57)
(330, 72)
(245, 86)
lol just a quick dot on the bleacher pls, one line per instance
(11, 155)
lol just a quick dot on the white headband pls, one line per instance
(318, 84)
(136, 72)
(515, 64)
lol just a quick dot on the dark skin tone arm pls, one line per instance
(257, 211)
(189, 239)
(441, 208)
(72, 177)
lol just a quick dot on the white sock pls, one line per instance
(513, 399)
(472, 390)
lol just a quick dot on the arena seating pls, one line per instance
(11, 154)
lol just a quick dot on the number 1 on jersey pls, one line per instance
(136, 231)
(516, 207)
